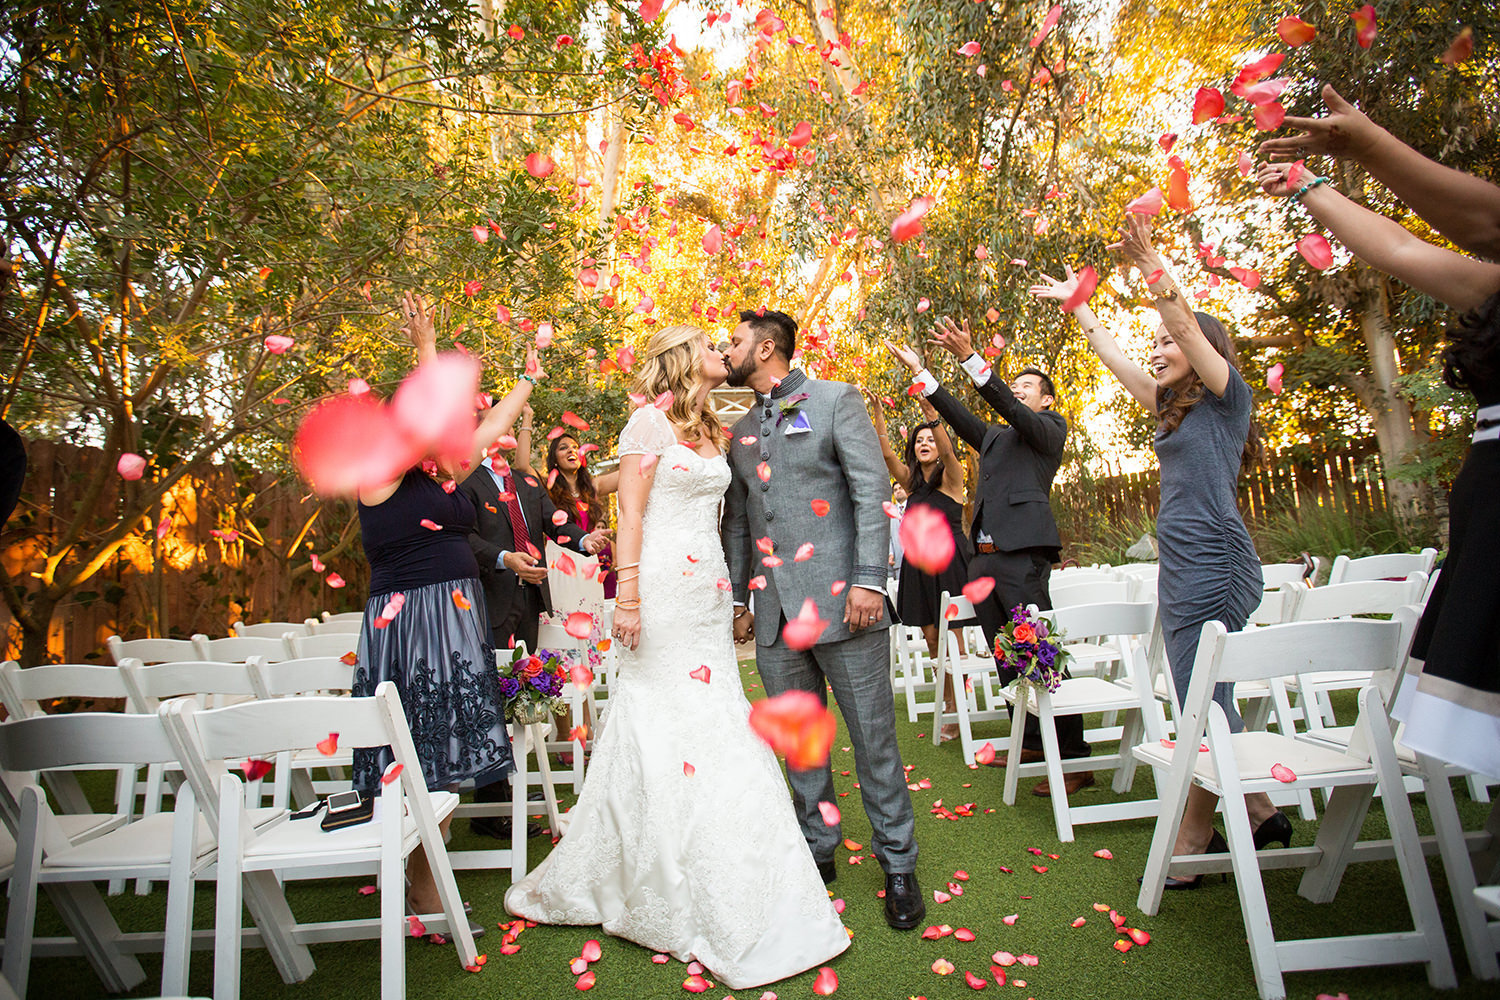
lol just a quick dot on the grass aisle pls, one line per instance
(1197, 946)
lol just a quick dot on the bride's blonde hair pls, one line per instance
(673, 364)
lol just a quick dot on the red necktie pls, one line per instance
(517, 522)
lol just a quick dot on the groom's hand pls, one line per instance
(863, 608)
(744, 627)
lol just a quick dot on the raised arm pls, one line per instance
(968, 426)
(953, 470)
(1463, 208)
(887, 450)
(523, 462)
(500, 417)
(1136, 380)
(1462, 282)
(1043, 432)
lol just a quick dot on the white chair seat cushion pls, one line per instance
(1257, 752)
(147, 841)
(305, 838)
(1084, 694)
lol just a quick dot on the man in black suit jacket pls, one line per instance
(1015, 535)
(514, 574)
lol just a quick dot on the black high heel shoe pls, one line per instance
(1275, 829)
(1216, 845)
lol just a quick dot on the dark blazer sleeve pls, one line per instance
(968, 426)
(736, 532)
(485, 539)
(1045, 431)
(569, 534)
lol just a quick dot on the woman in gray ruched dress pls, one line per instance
(1204, 435)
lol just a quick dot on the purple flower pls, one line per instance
(510, 687)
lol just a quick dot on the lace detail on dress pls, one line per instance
(709, 866)
(648, 432)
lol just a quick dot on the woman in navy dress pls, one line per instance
(437, 647)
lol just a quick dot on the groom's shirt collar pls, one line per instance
(794, 380)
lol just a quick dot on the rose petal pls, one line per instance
(1088, 280)
(1283, 773)
(830, 813)
(926, 539)
(795, 724)
(131, 466)
(330, 746)
(826, 983)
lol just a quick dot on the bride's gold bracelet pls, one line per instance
(627, 605)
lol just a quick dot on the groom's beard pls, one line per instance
(739, 376)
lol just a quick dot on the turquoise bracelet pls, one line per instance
(528, 378)
(1296, 196)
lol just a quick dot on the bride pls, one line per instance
(683, 839)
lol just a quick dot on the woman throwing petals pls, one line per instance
(1204, 435)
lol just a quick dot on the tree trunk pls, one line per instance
(35, 626)
(1394, 433)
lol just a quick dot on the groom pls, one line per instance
(808, 469)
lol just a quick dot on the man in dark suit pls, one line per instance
(1014, 533)
(513, 517)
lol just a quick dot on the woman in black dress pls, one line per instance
(436, 646)
(932, 476)
(1454, 713)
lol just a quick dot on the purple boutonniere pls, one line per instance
(790, 406)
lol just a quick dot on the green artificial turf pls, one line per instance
(1197, 947)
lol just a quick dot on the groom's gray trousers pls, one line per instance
(858, 671)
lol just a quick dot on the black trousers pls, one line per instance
(1021, 578)
(517, 621)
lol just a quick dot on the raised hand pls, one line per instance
(1060, 289)
(904, 354)
(1343, 132)
(533, 364)
(957, 342)
(1135, 242)
(419, 325)
(1272, 179)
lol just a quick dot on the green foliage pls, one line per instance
(1331, 530)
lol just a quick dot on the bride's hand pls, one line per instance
(905, 355)
(627, 627)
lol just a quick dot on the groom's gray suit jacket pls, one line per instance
(836, 459)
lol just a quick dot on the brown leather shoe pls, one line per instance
(1072, 782)
(1028, 756)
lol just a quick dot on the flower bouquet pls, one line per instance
(1026, 646)
(531, 685)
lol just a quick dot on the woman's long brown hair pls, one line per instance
(557, 488)
(1172, 405)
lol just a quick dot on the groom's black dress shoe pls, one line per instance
(828, 871)
(904, 907)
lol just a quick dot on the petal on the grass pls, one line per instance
(826, 983)
(943, 967)
(1104, 853)
(975, 982)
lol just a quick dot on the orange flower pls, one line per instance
(529, 667)
(1025, 633)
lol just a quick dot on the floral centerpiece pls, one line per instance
(531, 686)
(1026, 646)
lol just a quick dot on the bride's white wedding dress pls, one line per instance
(683, 839)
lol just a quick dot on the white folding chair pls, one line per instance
(343, 616)
(291, 780)
(151, 650)
(238, 649)
(334, 644)
(172, 847)
(269, 630)
(912, 669)
(1392, 566)
(1129, 624)
(1074, 575)
(1273, 575)
(971, 675)
(1068, 594)
(336, 626)
(1241, 764)
(251, 861)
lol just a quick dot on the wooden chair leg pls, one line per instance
(177, 946)
(1013, 755)
(1473, 924)
(1056, 782)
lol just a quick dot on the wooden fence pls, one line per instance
(1350, 481)
(183, 579)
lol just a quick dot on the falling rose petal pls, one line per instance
(891, 510)
(804, 552)
(650, 10)
(1244, 163)
(278, 344)
(579, 624)
(750, 439)
(969, 49)
(688, 770)
(1295, 32)
(461, 602)
(481, 234)
(256, 769)
(830, 813)
(801, 135)
(985, 754)
(1147, 204)
(909, 222)
(977, 589)
(695, 984)
(392, 772)
(701, 674)
(430, 524)
(838, 587)
(757, 583)
(923, 305)
(415, 927)
(943, 967)
(1282, 773)
(1208, 104)
(1273, 378)
(820, 508)
(330, 746)
(803, 631)
(1178, 196)
(1460, 49)
(131, 466)
(540, 165)
(434, 405)
(926, 539)
(1364, 26)
(334, 580)
(1048, 23)
(1268, 117)
(1154, 276)
(713, 240)
(1315, 250)
(797, 725)
(1166, 141)
(1088, 280)
(332, 446)
(580, 676)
